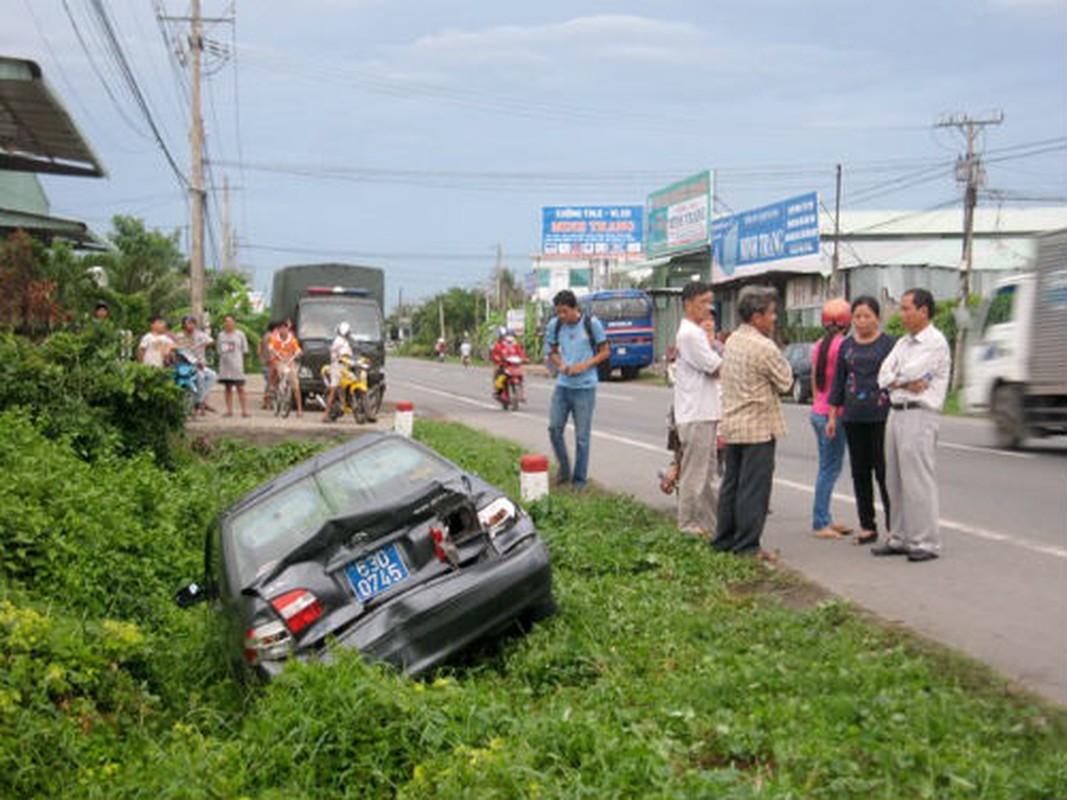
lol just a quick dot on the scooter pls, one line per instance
(508, 384)
(355, 392)
(186, 377)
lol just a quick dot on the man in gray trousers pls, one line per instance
(916, 373)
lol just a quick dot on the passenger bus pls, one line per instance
(626, 315)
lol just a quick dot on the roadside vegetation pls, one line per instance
(670, 671)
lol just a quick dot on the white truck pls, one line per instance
(1016, 366)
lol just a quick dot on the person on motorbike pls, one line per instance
(196, 341)
(465, 351)
(507, 346)
(340, 347)
(285, 353)
(440, 349)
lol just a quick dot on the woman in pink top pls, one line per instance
(836, 319)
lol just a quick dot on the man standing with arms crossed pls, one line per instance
(916, 374)
(754, 373)
(697, 411)
(576, 346)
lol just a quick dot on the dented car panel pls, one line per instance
(382, 545)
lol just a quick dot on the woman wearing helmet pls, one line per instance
(339, 348)
(836, 320)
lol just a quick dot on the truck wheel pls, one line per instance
(1007, 412)
(603, 371)
(629, 373)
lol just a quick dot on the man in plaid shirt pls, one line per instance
(754, 373)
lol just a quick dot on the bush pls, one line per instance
(74, 386)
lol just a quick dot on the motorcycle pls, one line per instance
(508, 384)
(186, 377)
(355, 392)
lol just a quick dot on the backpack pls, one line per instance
(587, 319)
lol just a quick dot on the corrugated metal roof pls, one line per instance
(36, 133)
(988, 220)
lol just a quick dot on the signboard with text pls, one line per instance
(783, 236)
(679, 216)
(592, 230)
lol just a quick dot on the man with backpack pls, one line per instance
(577, 345)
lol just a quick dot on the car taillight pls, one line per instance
(299, 608)
(270, 641)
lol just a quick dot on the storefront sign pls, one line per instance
(592, 230)
(679, 216)
(783, 237)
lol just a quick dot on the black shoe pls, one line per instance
(887, 550)
(921, 555)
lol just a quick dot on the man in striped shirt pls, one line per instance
(754, 373)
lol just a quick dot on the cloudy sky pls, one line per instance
(420, 134)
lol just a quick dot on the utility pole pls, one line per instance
(441, 315)
(227, 239)
(971, 174)
(835, 275)
(196, 176)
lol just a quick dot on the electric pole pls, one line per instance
(835, 276)
(227, 239)
(971, 174)
(196, 176)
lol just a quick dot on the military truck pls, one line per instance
(317, 298)
(1017, 349)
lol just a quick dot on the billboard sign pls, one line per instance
(592, 230)
(781, 236)
(679, 216)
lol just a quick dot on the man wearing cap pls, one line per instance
(196, 342)
(916, 374)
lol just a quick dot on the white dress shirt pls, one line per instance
(924, 355)
(696, 376)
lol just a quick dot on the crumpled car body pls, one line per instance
(380, 544)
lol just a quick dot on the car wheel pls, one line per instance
(1008, 419)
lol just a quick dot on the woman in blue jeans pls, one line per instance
(836, 319)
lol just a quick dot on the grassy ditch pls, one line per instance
(670, 672)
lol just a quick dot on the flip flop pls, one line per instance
(827, 533)
(844, 530)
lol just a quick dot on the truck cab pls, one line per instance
(318, 314)
(998, 348)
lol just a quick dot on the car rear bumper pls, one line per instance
(423, 627)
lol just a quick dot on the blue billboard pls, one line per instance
(755, 241)
(592, 230)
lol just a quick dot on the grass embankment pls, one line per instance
(670, 671)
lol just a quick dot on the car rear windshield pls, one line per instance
(319, 320)
(617, 308)
(282, 520)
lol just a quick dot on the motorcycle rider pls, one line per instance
(340, 347)
(506, 346)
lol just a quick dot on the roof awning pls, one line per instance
(36, 133)
(49, 228)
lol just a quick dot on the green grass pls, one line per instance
(671, 671)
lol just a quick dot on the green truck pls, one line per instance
(318, 297)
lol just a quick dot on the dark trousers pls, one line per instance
(866, 454)
(744, 497)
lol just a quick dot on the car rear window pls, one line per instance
(282, 520)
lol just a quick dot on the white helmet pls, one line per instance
(343, 329)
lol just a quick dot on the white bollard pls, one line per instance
(404, 417)
(533, 478)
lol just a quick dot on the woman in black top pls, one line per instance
(865, 409)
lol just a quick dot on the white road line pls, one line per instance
(987, 450)
(961, 527)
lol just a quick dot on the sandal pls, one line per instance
(866, 537)
(841, 528)
(827, 533)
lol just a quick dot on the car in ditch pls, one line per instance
(380, 544)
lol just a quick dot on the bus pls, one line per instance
(626, 315)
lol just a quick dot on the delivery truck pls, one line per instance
(1016, 368)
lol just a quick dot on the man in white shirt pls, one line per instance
(697, 411)
(155, 346)
(916, 373)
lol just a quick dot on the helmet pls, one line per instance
(836, 311)
(501, 332)
(343, 329)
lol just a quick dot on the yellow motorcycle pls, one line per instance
(354, 392)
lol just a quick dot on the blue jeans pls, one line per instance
(831, 458)
(206, 379)
(578, 403)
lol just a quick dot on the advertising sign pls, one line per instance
(592, 230)
(679, 216)
(782, 236)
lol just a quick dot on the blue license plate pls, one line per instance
(381, 570)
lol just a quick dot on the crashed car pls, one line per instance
(380, 544)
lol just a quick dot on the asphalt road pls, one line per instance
(999, 592)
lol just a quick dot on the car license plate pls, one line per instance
(381, 570)
(621, 351)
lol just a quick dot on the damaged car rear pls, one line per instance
(380, 544)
